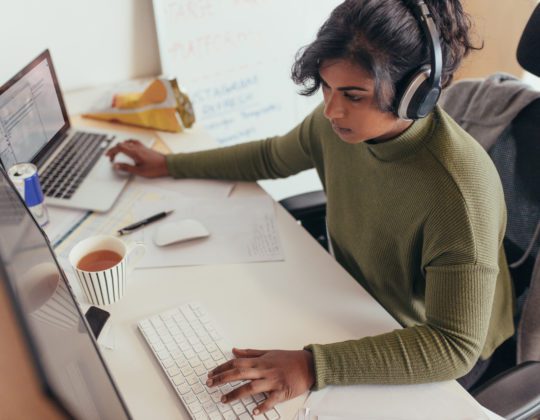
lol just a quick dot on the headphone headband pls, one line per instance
(425, 18)
(422, 91)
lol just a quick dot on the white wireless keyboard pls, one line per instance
(187, 345)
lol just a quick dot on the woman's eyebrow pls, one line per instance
(345, 88)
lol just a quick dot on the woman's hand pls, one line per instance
(281, 374)
(148, 163)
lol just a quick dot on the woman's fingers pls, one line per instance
(248, 352)
(272, 399)
(128, 147)
(231, 364)
(233, 374)
(254, 387)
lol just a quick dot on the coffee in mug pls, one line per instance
(99, 260)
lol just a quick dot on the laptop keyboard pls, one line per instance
(187, 345)
(67, 171)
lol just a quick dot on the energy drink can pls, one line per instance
(25, 178)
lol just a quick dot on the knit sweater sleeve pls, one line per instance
(275, 157)
(445, 347)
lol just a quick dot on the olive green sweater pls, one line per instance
(418, 221)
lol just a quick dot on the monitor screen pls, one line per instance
(32, 113)
(67, 357)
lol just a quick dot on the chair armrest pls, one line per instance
(514, 394)
(306, 206)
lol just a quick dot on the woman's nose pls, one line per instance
(333, 107)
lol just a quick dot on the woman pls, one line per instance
(415, 208)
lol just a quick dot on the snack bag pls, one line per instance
(161, 105)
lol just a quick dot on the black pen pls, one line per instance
(144, 222)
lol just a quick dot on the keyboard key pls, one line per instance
(173, 371)
(203, 397)
(200, 370)
(195, 407)
(189, 398)
(216, 397)
(229, 415)
(211, 347)
(192, 379)
(238, 408)
(272, 414)
(209, 406)
(198, 388)
(183, 388)
(210, 364)
(163, 354)
(167, 363)
(178, 380)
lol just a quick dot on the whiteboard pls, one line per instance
(234, 59)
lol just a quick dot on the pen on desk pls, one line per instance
(134, 226)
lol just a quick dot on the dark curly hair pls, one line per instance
(385, 39)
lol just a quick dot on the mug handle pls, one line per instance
(135, 252)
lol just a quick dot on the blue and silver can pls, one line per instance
(25, 178)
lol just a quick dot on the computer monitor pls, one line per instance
(65, 354)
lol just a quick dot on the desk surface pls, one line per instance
(306, 298)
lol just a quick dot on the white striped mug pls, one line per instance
(106, 285)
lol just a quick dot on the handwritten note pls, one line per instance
(233, 57)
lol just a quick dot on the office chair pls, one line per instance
(309, 209)
(511, 386)
(515, 392)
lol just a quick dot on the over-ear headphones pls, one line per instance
(422, 90)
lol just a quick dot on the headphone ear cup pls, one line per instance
(418, 99)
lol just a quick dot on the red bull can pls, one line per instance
(25, 178)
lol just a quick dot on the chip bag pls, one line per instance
(161, 105)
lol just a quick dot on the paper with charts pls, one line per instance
(242, 229)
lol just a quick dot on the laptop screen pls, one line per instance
(32, 112)
(66, 356)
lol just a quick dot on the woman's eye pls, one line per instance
(353, 98)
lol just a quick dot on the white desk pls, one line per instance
(305, 299)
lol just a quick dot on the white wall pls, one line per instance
(92, 42)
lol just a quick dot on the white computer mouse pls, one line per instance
(179, 231)
(123, 158)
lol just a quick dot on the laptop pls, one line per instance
(65, 355)
(34, 127)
